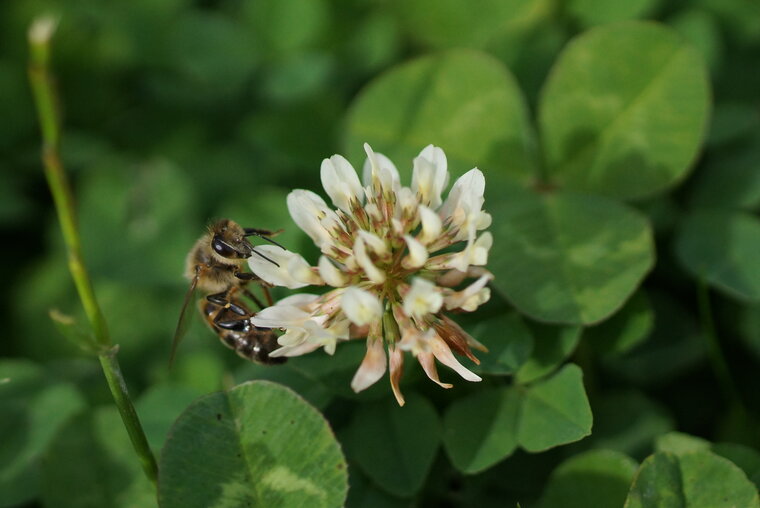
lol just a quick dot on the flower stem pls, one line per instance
(43, 89)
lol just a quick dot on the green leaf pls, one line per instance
(555, 411)
(692, 479)
(599, 12)
(745, 457)
(385, 441)
(552, 346)
(598, 478)
(567, 258)
(34, 406)
(624, 111)
(92, 463)
(748, 459)
(482, 429)
(508, 340)
(679, 443)
(463, 101)
(258, 444)
(722, 249)
(623, 331)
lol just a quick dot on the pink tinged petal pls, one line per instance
(341, 182)
(429, 176)
(443, 354)
(427, 360)
(372, 367)
(417, 256)
(396, 367)
(451, 278)
(361, 307)
(423, 298)
(361, 257)
(414, 340)
(291, 270)
(431, 225)
(331, 274)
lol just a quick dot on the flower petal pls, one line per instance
(312, 215)
(423, 298)
(429, 176)
(427, 360)
(341, 182)
(361, 307)
(396, 365)
(289, 351)
(468, 188)
(417, 256)
(470, 297)
(331, 274)
(374, 242)
(372, 367)
(444, 355)
(380, 171)
(431, 225)
(363, 260)
(291, 270)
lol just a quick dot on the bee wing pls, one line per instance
(184, 317)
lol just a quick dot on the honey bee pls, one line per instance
(214, 266)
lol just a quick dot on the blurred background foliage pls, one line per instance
(180, 111)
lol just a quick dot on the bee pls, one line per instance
(214, 266)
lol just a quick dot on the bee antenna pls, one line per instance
(264, 235)
(265, 257)
(272, 241)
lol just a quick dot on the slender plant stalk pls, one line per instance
(45, 99)
(714, 351)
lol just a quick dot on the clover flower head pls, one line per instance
(389, 254)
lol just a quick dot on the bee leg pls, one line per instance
(247, 276)
(254, 298)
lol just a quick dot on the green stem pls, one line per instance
(714, 351)
(43, 89)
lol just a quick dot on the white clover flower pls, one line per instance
(388, 252)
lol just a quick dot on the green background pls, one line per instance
(621, 147)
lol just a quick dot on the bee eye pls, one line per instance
(223, 248)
